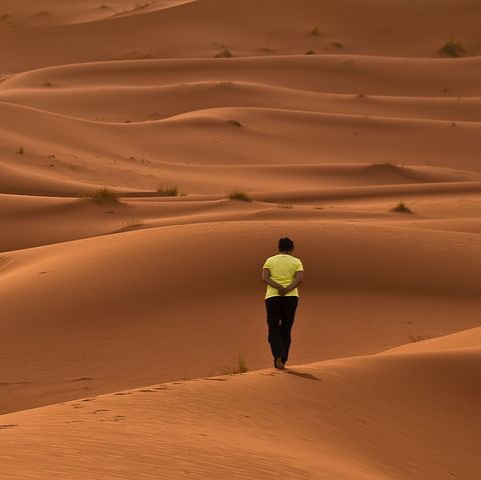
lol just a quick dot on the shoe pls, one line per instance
(279, 363)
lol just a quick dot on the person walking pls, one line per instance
(282, 273)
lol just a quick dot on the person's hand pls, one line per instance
(282, 291)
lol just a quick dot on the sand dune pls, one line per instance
(121, 298)
(150, 102)
(120, 317)
(205, 28)
(132, 156)
(327, 409)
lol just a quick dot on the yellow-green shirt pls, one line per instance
(283, 268)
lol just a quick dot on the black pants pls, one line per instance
(280, 318)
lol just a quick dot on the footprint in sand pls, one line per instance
(117, 418)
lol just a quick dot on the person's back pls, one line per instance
(282, 273)
(282, 268)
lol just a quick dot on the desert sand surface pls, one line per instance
(123, 319)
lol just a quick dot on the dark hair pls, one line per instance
(285, 244)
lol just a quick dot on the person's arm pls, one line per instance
(295, 283)
(266, 278)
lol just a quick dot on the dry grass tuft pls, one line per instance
(419, 338)
(105, 195)
(224, 54)
(235, 123)
(168, 191)
(241, 366)
(401, 207)
(452, 48)
(239, 195)
(133, 223)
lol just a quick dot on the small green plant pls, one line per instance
(105, 195)
(224, 54)
(401, 207)
(20, 150)
(168, 191)
(452, 48)
(239, 195)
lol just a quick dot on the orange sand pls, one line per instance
(119, 320)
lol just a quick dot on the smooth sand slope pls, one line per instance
(325, 114)
(128, 309)
(346, 419)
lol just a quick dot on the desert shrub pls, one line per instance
(235, 123)
(241, 366)
(224, 54)
(133, 223)
(140, 6)
(240, 196)
(401, 207)
(168, 191)
(20, 150)
(452, 48)
(105, 195)
(315, 32)
(285, 205)
(419, 338)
